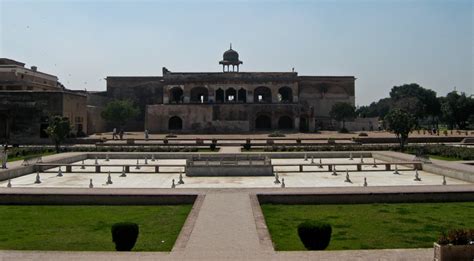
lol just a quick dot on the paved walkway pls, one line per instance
(225, 228)
(233, 149)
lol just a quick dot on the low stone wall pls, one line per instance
(189, 155)
(229, 171)
(436, 168)
(95, 199)
(361, 198)
(25, 170)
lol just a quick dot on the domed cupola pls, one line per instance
(230, 57)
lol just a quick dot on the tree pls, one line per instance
(342, 111)
(118, 112)
(58, 129)
(401, 123)
(456, 109)
(419, 101)
(375, 109)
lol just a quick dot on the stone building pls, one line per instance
(232, 101)
(28, 98)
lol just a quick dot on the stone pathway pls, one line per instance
(233, 149)
(225, 227)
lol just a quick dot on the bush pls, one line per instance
(247, 145)
(276, 134)
(124, 235)
(456, 237)
(213, 146)
(343, 130)
(315, 235)
(363, 134)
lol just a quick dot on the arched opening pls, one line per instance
(176, 95)
(230, 95)
(199, 94)
(263, 122)
(242, 95)
(175, 123)
(220, 95)
(262, 94)
(285, 94)
(304, 124)
(285, 123)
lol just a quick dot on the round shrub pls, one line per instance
(315, 235)
(124, 235)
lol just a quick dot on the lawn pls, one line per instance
(87, 228)
(369, 226)
(15, 158)
(444, 158)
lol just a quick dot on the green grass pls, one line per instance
(11, 158)
(369, 226)
(444, 158)
(87, 228)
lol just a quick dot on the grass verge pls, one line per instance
(369, 226)
(15, 158)
(87, 228)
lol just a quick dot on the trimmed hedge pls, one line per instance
(456, 237)
(124, 235)
(315, 235)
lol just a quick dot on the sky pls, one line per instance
(383, 43)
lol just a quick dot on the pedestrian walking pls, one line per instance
(121, 134)
(146, 135)
(4, 156)
(114, 133)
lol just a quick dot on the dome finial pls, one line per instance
(231, 46)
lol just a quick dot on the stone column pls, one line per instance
(166, 98)
(296, 125)
(249, 96)
(311, 124)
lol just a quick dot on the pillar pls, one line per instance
(296, 124)
(311, 124)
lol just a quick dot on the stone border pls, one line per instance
(366, 198)
(92, 198)
(444, 168)
(264, 236)
(187, 229)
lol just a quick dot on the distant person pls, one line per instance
(114, 133)
(4, 156)
(121, 134)
(146, 135)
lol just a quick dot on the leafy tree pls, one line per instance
(375, 109)
(419, 101)
(119, 112)
(457, 109)
(58, 129)
(401, 123)
(342, 111)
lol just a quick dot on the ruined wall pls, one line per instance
(322, 92)
(141, 90)
(22, 112)
(96, 102)
(75, 108)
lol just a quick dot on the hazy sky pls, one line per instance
(382, 43)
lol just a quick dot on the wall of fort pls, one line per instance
(141, 90)
(24, 114)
